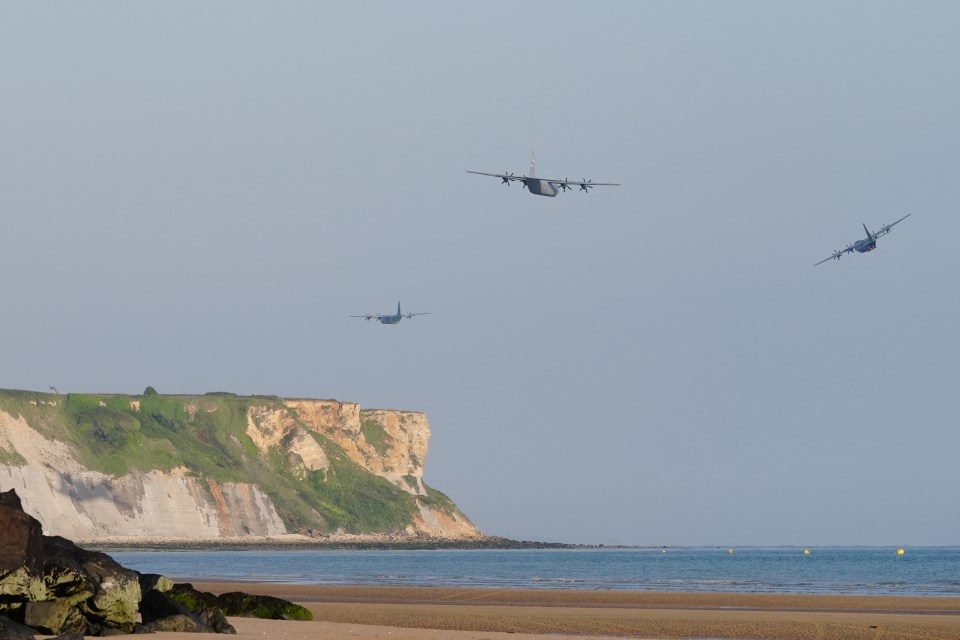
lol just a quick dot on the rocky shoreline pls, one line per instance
(51, 586)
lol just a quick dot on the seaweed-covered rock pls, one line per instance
(178, 623)
(106, 592)
(239, 604)
(161, 612)
(151, 581)
(55, 617)
(156, 605)
(56, 587)
(21, 549)
(192, 599)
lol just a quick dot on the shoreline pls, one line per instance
(347, 542)
(397, 613)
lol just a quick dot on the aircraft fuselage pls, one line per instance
(540, 187)
(865, 245)
(390, 319)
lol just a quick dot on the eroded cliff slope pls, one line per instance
(95, 467)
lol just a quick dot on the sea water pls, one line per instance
(929, 571)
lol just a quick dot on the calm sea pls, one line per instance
(847, 570)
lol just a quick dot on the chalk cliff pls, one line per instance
(98, 467)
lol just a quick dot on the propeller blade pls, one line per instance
(585, 185)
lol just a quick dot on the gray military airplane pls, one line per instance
(867, 244)
(545, 186)
(393, 318)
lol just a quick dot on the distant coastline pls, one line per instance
(300, 543)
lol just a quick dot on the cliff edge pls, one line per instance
(117, 467)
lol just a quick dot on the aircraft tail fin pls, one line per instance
(869, 235)
(533, 164)
(398, 307)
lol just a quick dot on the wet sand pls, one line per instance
(402, 613)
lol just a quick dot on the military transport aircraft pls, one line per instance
(544, 186)
(393, 318)
(867, 244)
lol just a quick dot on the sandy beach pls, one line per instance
(402, 613)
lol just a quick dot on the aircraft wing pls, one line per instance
(368, 316)
(410, 315)
(505, 177)
(582, 183)
(585, 185)
(836, 255)
(885, 229)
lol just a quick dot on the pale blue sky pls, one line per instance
(195, 196)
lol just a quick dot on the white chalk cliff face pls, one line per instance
(80, 504)
(179, 503)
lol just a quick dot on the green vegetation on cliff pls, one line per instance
(374, 433)
(349, 498)
(119, 434)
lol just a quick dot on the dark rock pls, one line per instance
(97, 629)
(156, 604)
(201, 604)
(20, 537)
(54, 617)
(10, 630)
(216, 620)
(56, 587)
(151, 581)
(237, 603)
(107, 592)
(11, 499)
(12, 610)
(185, 594)
(178, 623)
(160, 612)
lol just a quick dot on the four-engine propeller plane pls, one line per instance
(550, 188)
(867, 244)
(392, 318)
(545, 186)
